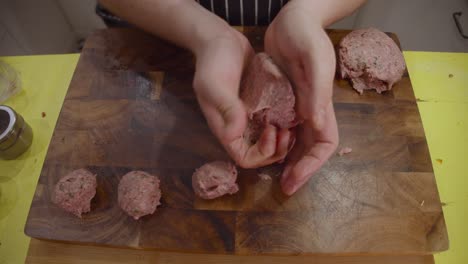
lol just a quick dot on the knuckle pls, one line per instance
(243, 163)
(267, 151)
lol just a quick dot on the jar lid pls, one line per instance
(6, 127)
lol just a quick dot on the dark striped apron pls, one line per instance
(245, 12)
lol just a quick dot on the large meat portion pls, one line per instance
(371, 60)
(139, 193)
(74, 192)
(268, 97)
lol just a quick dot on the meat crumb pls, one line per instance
(345, 150)
(264, 177)
(43, 114)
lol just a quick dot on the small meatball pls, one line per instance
(215, 179)
(74, 192)
(139, 193)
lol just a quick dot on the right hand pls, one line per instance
(219, 67)
(307, 55)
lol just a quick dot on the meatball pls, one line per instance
(139, 193)
(74, 192)
(215, 179)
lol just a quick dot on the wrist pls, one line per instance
(313, 10)
(206, 33)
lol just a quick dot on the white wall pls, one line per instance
(420, 24)
(34, 27)
(8, 44)
(81, 15)
(55, 26)
(346, 23)
(45, 26)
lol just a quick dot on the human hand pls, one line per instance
(219, 67)
(298, 43)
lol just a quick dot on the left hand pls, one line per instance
(300, 46)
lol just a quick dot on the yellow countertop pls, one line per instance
(45, 81)
(440, 81)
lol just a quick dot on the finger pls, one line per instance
(313, 73)
(321, 77)
(266, 145)
(302, 166)
(257, 155)
(284, 144)
(294, 157)
(216, 83)
(306, 167)
(292, 140)
(227, 118)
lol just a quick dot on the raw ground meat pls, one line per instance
(345, 150)
(139, 193)
(74, 192)
(268, 97)
(371, 60)
(215, 179)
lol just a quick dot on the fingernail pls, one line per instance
(292, 141)
(284, 176)
(289, 187)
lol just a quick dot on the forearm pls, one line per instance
(183, 22)
(328, 12)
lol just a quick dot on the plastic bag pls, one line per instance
(10, 82)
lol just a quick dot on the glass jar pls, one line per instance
(15, 134)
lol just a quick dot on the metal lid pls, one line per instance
(9, 129)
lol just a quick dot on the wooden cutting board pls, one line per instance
(130, 106)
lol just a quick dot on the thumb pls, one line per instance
(313, 77)
(320, 67)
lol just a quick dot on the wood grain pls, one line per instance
(131, 106)
(45, 252)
